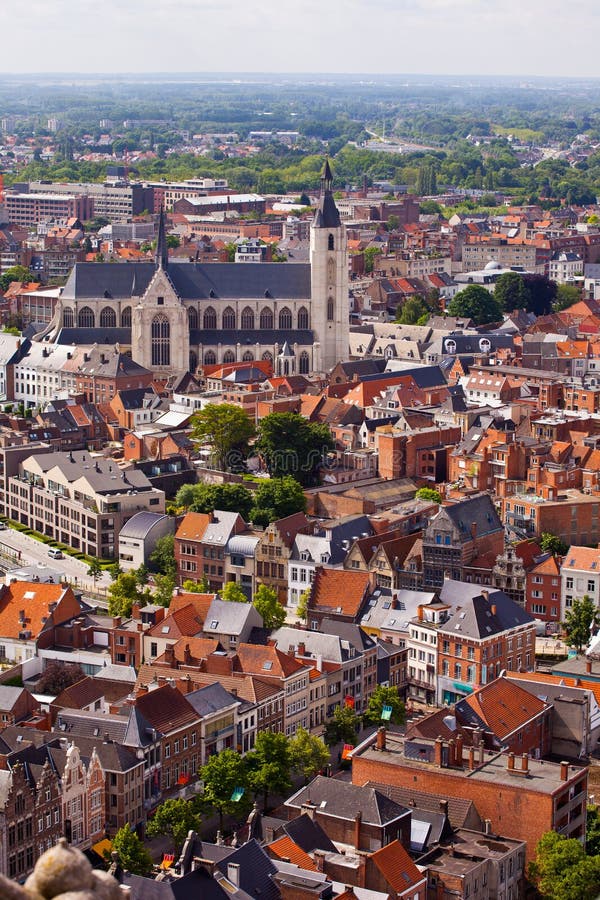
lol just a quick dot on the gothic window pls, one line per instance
(247, 318)
(86, 318)
(126, 317)
(330, 270)
(192, 317)
(304, 363)
(161, 348)
(302, 318)
(108, 318)
(285, 318)
(228, 319)
(229, 356)
(210, 358)
(331, 242)
(266, 319)
(193, 361)
(210, 318)
(267, 357)
(248, 356)
(330, 309)
(68, 318)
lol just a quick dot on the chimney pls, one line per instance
(488, 826)
(380, 741)
(485, 594)
(362, 869)
(309, 809)
(471, 758)
(233, 873)
(511, 762)
(187, 656)
(564, 771)
(493, 609)
(420, 613)
(357, 824)
(170, 655)
(474, 530)
(301, 649)
(451, 753)
(525, 764)
(444, 807)
(142, 689)
(588, 666)
(319, 860)
(437, 752)
(459, 750)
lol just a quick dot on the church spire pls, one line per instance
(327, 214)
(162, 253)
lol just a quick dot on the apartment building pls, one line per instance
(579, 577)
(78, 499)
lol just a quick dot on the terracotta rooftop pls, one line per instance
(583, 558)
(34, 600)
(339, 590)
(184, 622)
(286, 849)
(166, 709)
(267, 661)
(193, 526)
(503, 706)
(397, 867)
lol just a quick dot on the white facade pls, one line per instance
(579, 577)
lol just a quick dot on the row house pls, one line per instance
(274, 550)
(201, 547)
(579, 577)
(543, 591)
(572, 515)
(464, 640)
(283, 669)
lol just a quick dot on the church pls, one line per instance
(174, 316)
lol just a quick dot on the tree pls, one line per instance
(174, 818)
(207, 497)
(510, 291)
(14, 273)
(592, 831)
(131, 852)
(303, 601)
(566, 295)
(277, 498)
(291, 445)
(162, 557)
(550, 543)
(266, 603)
(124, 592)
(426, 493)
(561, 870)
(164, 585)
(233, 593)
(223, 773)
(58, 676)
(342, 727)
(411, 311)
(369, 254)
(269, 764)
(197, 587)
(308, 754)
(385, 696)
(114, 570)
(579, 621)
(542, 294)
(226, 429)
(95, 570)
(173, 241)
(476, 303)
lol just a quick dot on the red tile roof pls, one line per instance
(397, 867)
(339, 590)
(193, 526)
(166, 709)
(504, 706)
(267, 661)
(286, 849)
(34, 600)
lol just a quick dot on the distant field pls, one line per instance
(523, 134)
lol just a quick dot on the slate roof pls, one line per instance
(192, 281)
(255, 871)
(479, 511)
(472, 614)
(231, 618)
(460, 810)
(344, 800)
(211, 699)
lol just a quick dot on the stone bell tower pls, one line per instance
(330, 309)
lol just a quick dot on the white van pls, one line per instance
(55, 553)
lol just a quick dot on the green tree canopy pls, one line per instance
(205, 498)
(561, 870)
(174, 818)
(95, 570)
(226, 429)
(162, 558)
(385, 696)
(476, 303)
(124, 592)
(269, 764)
(291, 445)
(266, 603)
(426, 493)
(413, 309)
(566, 295)
(370, 253)
(131, 852)
(343, 726)
(164, 585)
(542, 294)
(15, 273)
(222, 775)
(592, 831)
(303, 601)
(550, 543)
(57, 676)
(233, 593)
(277, 498)
(308, 754)
(510, 291)
(197, 587)
(579, 620)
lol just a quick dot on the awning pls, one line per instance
(102, 847)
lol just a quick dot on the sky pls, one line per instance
(512, 37)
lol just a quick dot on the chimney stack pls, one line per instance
(525, 764)
(588, 666)
(437, 753)
(233, 873)
(380, 740)
(459, 749)
(471, 758)
(564, 771)
(474, 530)
(485, 594)
(357, 824)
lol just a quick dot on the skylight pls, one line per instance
(267, 664)
(166, 629)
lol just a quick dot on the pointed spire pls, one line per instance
(327, 214)
(162, 254)
(326, 176)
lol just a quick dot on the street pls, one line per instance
(34, 553)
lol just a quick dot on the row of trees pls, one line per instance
(286, 442)
(534, 293)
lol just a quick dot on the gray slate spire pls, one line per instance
(327, 214)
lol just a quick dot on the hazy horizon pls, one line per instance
(447, 38)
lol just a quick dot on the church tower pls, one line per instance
(160, 334)
(330, 307)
